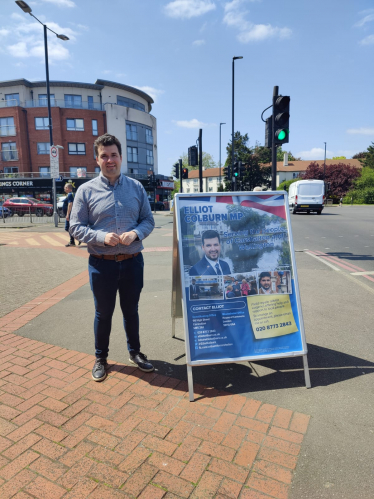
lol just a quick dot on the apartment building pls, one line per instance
(80, 113)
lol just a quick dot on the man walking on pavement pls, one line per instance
(67, 207)
(112, 215)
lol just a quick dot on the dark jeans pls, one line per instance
(67, 227)
(106, 278)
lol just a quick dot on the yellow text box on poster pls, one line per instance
(271, 316)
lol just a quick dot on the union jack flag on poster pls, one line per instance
(271, 203)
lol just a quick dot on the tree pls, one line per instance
(362, 191)
(241, 150)
(339, 176)
(255, 174)
(368, 160)
(264, 154)
(359, 155)
(285, 185)
(208, 161)
(338, 157)
(280, 155)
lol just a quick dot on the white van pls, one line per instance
(307, 195)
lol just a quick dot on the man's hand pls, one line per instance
(112, 239)
(128, 237)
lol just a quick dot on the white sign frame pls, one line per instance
(179, 282)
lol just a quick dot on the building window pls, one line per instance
(75, 124)
(41, 123)
(11, 169)
(74, 170)
(73, 101)
(43, 147)
(295, 175)
(94, 128)
(195, 180)
(77, 148)
(44, 171)
(97, 169)
(9, 151)
(149, 157)
(148, 136)
(131, 132)
(90, 102)
(124, 101)
(196, 190)
(210, 179)
(12, 99)
(132, 154)
(7, 127)
(210, 189)
(43, 99)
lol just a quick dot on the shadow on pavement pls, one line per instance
(326, 366)
(351, 256)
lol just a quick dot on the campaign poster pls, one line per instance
(240, 297)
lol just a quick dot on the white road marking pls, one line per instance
(363, 273)
(324, 261)
(32, 242)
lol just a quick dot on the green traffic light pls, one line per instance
(282, 135)
(235, 174)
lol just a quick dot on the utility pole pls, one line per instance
(180, 176)
(273, 146)
(201, 159)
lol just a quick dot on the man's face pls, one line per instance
(66, 189)
(265, 282)
(109, 161)
(212, 248)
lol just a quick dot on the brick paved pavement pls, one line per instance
(134, 435)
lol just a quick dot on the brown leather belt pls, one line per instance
(117, 258)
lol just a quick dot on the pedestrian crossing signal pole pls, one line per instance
(180, 176)
(273, 146)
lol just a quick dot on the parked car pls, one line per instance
(60, 205)
(159, 205)
(22, 206)
(5, 212)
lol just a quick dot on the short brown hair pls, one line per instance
(107, 140)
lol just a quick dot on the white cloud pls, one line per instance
(28, 41)
(4, 32)
(186, 9)
(198, 43)
(153, 92)
(314, 153)
(364, 20)
(236, 17)
(361, 131)
(369, 40)
(61, 3)
(191, 124)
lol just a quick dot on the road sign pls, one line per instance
(53, 158)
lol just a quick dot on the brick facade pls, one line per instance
(27, 137)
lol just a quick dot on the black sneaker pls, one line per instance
(99, 370)
(69, 244)
(141, 361)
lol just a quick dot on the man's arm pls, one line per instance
(70, 207)
(79, 222)
(146, 220)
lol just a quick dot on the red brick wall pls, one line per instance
(27, 137)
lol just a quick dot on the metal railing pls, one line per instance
(9, 155)
(9, 103)
(28, 175)
(95, 106)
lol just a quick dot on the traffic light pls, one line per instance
(235, 169)
(241, 170)
(226, 173)
(281, 120)
(192, 156)
(269, 132)
(184, 173)
(176, 170)
(150, 180)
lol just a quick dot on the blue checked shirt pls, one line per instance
(100, 208)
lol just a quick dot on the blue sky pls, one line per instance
(319, 53)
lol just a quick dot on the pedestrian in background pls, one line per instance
(112, 214)
(66, 208)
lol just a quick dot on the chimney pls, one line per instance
(285, 159)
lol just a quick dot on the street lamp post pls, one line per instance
(27, 9)
(324, 165)
(232, 136)
(219, 177)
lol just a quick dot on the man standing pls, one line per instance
(67, 207)
(265, 284)
(194, 290)
(211, 264)
(112, 214)
(236, 289)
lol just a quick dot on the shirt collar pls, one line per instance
(106, 181)
(213, 263)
